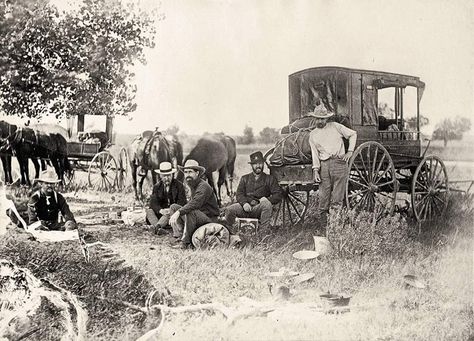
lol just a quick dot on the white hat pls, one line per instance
(193, 164)
(166, 168)
(48, 176)
(321, 112)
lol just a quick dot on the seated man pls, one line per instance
(46, 204)
(256, 194)
(201, 209)
(166, 192)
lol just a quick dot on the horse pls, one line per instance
(7, 129)
(147, 151)
(27, 143)
(216, 153)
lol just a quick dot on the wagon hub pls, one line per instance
(373, 188)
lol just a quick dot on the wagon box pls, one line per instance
(384, 109)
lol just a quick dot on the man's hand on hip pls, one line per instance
(247, 207)
(347, 156)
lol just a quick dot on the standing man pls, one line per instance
(201, 209)
(256, 194)
(46, 204)
(330, 161)
(166, 192)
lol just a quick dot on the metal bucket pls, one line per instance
(322, 245)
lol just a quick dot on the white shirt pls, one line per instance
(327, 142)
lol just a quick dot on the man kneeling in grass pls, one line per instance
(166, 192)
(46, 204)
(201, 209)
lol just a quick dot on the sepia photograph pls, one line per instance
(236, 170)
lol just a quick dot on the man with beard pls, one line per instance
(201, 209)
(256, 194)
(166, 192)
(330, 161)
(46, 204)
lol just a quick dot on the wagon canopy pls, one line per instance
(347, 92)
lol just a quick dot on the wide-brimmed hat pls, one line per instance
(321, 112)
(256, 157)
(48, 177)
(193, 164)
(166, 168)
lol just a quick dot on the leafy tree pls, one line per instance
(269, 135)
(77, 62)
(411, 122)
(451, 129)
(248, 136)
(172, 130)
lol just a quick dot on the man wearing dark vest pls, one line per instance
(256, 194)
(201, 209)
(46, 204)
(166, 192)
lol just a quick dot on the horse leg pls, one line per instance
(8, 159)
(140, 184)
(210, 180)
(6, 170)
(43, 165)
(134, 179)
(25, 178)
(222, 180)
(37, 165)
(153, 177)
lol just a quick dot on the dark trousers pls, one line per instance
(188, 224)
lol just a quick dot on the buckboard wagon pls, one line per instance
(388, 158)
(91, 154)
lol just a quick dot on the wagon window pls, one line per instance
(386, 103)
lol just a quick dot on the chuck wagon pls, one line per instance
(384, 109)
(89, 152)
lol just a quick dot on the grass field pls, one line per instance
(369, 266)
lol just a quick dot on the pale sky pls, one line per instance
(219, 65)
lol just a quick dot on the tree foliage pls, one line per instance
(451, 129)
(66, 63)
(248, 136)
(269, 135)
(411, 122)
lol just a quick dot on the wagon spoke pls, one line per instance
(277, 213)
(386, 183)
(374, 163)
(295, 209)
(378, 168)
(296, 198)
(290, 216)
(419, 183)
(358, 193)
(434, 175)
(357, 182)
(360, 174)
(439, 199)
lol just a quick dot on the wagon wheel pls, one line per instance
(292, 208)
(122, 169)
(429, 189)
(372, 183)
(102, 172)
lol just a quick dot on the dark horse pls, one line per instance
(216, 153)
(147, 151)
(27, 143)
(7, 129)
